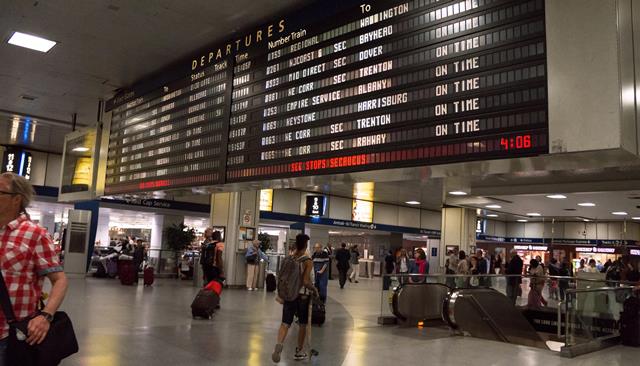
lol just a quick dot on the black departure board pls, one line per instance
(392, 84)
(364, 86)
(172, 136)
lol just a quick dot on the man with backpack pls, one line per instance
(295, 289)
(342, 260)
(211, 255)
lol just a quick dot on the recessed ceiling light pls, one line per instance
(31, 42)
(587, 204)
(533, 214)
(557, 196)
(636, 218)
(586, 220)
(458, 193)
(80, 149)
(492, 215)
(493, 206)
(522, 220)
(619, 213)
(412, 203)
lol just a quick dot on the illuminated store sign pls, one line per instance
(266, 200)
(531, 247)
(17, 161)
(315, 205)
(595, 250)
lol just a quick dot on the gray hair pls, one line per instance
(22, 187)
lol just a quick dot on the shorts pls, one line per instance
(298, 308)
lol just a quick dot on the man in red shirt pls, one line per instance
(27, 255)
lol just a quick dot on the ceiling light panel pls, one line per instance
(31, 42)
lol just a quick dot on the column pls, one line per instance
(102, 233)
(459, 229)
(234, 210)
(48, 221)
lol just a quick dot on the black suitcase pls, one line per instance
(317, 313)
(630, 322)
(271, 282)
(204, 304)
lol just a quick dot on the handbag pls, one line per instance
(59, 343)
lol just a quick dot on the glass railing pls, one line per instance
(578, 314)
(164, 261)
(592, 317)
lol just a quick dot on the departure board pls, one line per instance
(173, 136)
(342, 87)
(391, 84)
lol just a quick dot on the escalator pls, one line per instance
(488, 314)
(413, 303)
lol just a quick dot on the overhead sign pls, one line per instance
(17, 161)
(266, 200)
(531, 247)
(315, 205)
(338, 88)
(634, 251)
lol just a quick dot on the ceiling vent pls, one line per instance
(30, 98)
(570, 209)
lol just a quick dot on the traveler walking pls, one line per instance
(535, 300)
(321, 270)
(138, 257)
(253, 257)
(27, 257)
(513, 282)
(295, 289)
(565, 271)
(342, 262)
(355, 264)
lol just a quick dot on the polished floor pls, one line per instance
(127, 326)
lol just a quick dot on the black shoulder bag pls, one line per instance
(59, 343)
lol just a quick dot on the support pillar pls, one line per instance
(458, 229)
(235, 210)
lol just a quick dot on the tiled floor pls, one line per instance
(119, 325)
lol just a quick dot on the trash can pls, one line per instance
(197, 273)
(262, 270)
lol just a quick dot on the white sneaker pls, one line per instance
(300, 355)
(250, 289)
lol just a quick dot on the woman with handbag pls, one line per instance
(253, 257)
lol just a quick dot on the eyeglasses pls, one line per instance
(8, 193)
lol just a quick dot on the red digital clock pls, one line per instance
(516, 142)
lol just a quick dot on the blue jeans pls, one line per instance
(3, 350)
(321, 285)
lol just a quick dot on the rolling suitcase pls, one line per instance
(126, 272)
(630, 322)
(271, 282)
(148, 276)
(204, 304)
(318, 313)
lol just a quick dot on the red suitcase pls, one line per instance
(148, 276)
(126, 272)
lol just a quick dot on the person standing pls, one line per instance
(295, 301)
(402, 265)
(421, 266)
(464, 268)
(211, 256)
(452, 267)
(321, 270)
(355, 264)
(27, 256)
(513, 282)
(389, 266)
(138, 257)
(342, 262)
(253, 257)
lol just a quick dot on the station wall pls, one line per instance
(615, 230)
(340, 208)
